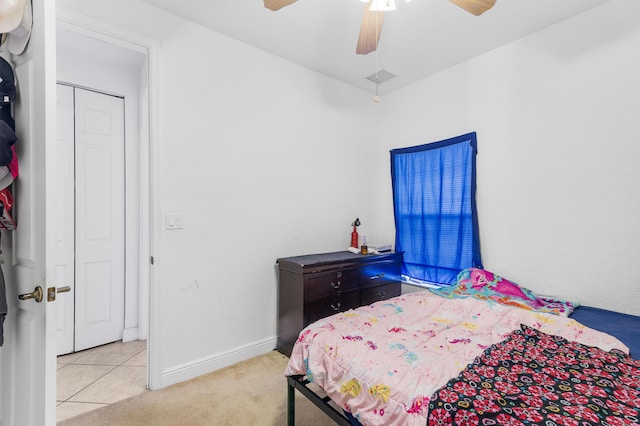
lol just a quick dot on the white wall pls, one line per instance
(263, 158)
(558, 151)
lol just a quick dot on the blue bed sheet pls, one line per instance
(622, 326)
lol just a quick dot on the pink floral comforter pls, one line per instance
(382, 362)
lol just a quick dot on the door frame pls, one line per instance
(149, 181)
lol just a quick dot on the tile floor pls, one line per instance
(100, 376)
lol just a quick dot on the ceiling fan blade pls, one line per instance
(277, 4)
(475, 7)
(370, 30)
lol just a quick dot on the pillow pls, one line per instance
(485, 285)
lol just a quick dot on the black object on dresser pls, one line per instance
(315, 286)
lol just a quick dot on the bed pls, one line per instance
(485, 351)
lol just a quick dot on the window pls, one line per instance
(436, 221)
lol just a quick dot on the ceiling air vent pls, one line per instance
(380, 77)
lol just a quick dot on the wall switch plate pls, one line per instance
(174, 221)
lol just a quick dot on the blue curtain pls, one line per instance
(436, 220)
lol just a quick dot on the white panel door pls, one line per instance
(65, 244)
(100, 219)
(28, 357)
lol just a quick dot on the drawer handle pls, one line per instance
(377, 277)
(336, 285)
(336, 306)
(381, 294)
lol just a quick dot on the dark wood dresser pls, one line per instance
(315, 286)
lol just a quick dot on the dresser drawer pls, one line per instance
(332, 305)
(380, 273)
(330, 283)
(382, 292)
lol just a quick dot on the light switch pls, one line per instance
(174, 221)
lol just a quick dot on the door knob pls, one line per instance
(51, 292)
(35, 294)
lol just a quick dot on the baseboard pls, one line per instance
(206, 365)
(130, 334)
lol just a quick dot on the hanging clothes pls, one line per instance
(3, 306)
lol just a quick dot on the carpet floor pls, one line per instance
(252, 392)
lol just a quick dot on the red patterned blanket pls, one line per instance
(533, 378)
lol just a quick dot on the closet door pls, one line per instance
(100, 219)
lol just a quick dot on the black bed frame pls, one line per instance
(300, 382)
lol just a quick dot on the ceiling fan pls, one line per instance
(373, 15)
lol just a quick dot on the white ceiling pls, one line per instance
(420, 38)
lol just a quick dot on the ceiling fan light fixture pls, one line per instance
(382, 5)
